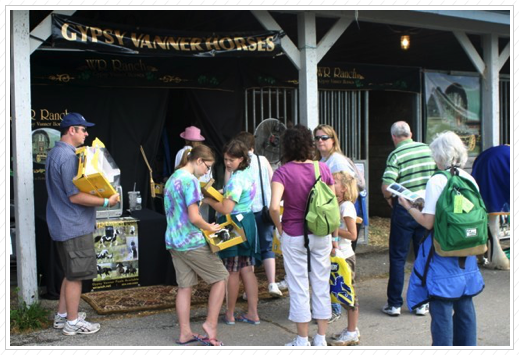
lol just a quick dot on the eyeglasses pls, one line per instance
(207, 166)
(83, 129)
(323, 138)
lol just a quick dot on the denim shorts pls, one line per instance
(265, 235)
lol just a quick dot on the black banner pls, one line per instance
(222, 74)
(345, 76)
(68, 32)
(98, 70)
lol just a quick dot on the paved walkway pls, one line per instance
(160, 329)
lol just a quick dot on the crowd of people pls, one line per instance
(250, 187)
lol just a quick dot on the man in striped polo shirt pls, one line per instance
(410, 165)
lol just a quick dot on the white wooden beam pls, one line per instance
(487, 22)
(471, 51)
(332, 36)
(287, 45)
(22, 156)
(43, 31)
(308, 91)
(503, 57)
(490, 92)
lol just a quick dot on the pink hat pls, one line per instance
(192, 134)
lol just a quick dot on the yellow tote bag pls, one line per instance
(276, 244)
(341, 288)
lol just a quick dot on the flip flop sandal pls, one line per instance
(209, 342)
(228, 322)
(194, 339)
(244, 319)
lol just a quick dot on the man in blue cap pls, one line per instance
(71, 220)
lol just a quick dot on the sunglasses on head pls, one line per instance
(323, 138)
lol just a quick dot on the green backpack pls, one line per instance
(460, 223)
(322, 215)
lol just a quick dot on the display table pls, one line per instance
(155, 266)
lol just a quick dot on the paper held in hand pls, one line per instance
(398, 190)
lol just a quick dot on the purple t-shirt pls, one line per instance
(297, 179)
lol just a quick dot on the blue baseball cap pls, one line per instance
(74, 119)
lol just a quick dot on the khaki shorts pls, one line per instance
(201, 262)
(78, 258)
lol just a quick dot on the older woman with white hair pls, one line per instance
(451, 281)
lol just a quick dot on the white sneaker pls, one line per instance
(59, 322)
(422, 310)
(282, 285)
(295, 343)
(274, 290)
(390, 310)
(338, 335)
(345, 339)
(321, 343)
(81, 327)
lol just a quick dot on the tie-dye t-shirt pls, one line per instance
(181, 191)
(241, 188)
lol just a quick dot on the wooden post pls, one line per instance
(308, 91)
(488, 67)
(490, 92)
(306, 57)
(22, 156)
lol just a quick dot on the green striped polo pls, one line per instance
(410, 164)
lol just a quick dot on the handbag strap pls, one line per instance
(261, 179)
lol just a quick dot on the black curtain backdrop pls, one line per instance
(220, 115)
(124, 118)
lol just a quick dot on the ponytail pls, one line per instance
(200, 151)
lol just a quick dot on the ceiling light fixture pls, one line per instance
(405, 42)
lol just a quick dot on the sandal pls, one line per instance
(209, 342)
(192, 340)
(244, 319)
(227, 321)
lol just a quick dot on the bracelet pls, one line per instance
(105, 204)
(335, 239)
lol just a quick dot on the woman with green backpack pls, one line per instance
(292, 183)
(448, 283)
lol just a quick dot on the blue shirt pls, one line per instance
(66, 220)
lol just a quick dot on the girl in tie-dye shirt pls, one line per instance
(239, 260)
(182, 194)
(189, 251)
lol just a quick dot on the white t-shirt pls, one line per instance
(434, 189)
(257, 204)
(338, 162)
(347, 210)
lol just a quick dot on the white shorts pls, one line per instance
(299, 279)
